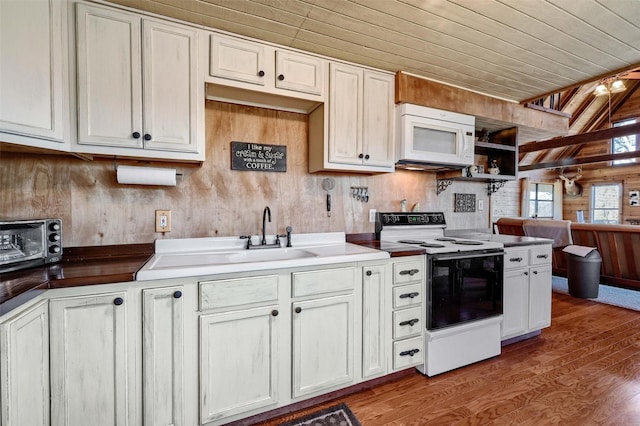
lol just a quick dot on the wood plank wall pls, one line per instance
(214, 200)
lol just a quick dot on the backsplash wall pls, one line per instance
(214, 200)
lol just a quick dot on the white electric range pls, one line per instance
(463, 288)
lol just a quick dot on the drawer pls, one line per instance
(540, 255)
(406, 272)
(407, 295)
(516, 258)
(323, 281)
(238, 291)
(407, 323)
(408, 353)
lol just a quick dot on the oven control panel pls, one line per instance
(409, 219)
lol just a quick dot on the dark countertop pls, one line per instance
(79, 266)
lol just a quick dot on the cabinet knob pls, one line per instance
(136, 135)
(526, 273)
(411, 352)
(274, 313)
(177, 294)
(281, 77)
(361, 155)
(118, 301)
(366, 157)
(260, 73)
(535, 272)
(298, 310)
(369, 273)
(147, 137)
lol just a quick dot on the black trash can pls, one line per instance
(583, 274)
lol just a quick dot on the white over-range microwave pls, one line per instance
(430, 138)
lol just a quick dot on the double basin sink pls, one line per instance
(189, 257)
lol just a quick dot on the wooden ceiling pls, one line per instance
(510, 49)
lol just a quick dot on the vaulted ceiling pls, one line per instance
(511, 49)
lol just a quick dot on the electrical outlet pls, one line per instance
(372, 215)
(163, 221)
(480, 205)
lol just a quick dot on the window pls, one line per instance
(605, 203)
(541, 200)
(624, 143)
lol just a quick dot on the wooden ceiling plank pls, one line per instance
(596, 136)
(581, 160)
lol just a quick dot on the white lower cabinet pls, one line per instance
(374, 320)
(238, 353)
(24, 367)
(89, 360)
(527, 290)
(163, 346)
(322, 344)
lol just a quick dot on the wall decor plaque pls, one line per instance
(465, 203)
(258, 157)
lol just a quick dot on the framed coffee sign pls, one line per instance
(258, 157)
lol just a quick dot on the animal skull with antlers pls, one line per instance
(571, 187)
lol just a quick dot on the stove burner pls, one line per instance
(469, 243)
(445, 239)
(431, 245)
(411, 242)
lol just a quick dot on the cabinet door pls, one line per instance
(298, 72)
(88, 361)
(162, 356)
(109, 77)
(170, 87)
(24, 390)
(515, 316)
(373, 321)
(238, 359)
(540, 297)
(378, 119)
(322, 344)
(31, 69)
(345, 114)
(237, 60)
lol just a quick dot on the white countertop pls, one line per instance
(189, 257)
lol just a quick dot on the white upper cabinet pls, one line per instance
(251, 73)
(138, 91)
(353, 131)
(33, 73)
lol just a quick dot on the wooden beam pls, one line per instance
(580, 160)
(596, 136)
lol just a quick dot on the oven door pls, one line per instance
(464, 287)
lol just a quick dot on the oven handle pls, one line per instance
(466, 255)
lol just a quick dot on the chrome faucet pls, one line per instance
(264, 216)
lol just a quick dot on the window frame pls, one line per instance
(626, 161)
(534, 212)
(592, 200)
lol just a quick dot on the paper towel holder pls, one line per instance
(115, 166)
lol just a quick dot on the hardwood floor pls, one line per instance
(583, 370)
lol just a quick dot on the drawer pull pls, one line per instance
(411, 352)
(410, 322)
(515, 259)
(410, 272)
(543, 256)
(409, 295)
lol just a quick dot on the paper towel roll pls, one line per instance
(146, 176)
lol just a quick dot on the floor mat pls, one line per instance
(624, 298)
(339, 415)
